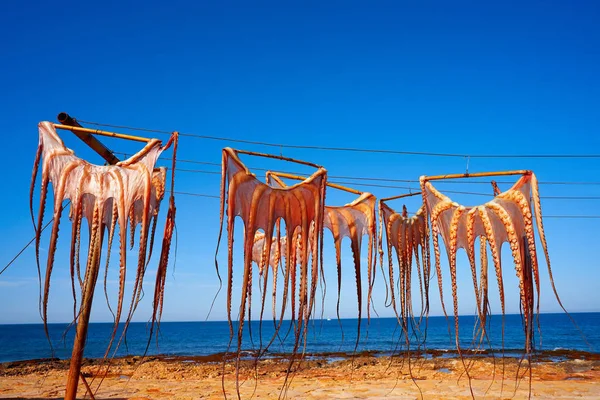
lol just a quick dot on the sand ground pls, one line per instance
(320, 378)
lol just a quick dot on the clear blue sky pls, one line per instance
(456, 77)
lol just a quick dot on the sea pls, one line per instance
(327, 336)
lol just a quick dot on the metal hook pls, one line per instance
(468, 159)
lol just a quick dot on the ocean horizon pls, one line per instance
(19, 342)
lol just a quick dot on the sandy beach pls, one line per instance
(320, 377)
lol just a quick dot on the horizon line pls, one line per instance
(312, 319)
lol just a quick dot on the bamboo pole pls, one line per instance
(276, 176)
(400, 196)
(475, 175)
(253, 153)
(344, 188)
(102, 133)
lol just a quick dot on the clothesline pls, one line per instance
(359, 178)
(348, 149)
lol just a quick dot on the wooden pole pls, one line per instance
(475, 175)
(66, 120)
(83, 321)
(252, 153)
(277, 175)
(87, 387)
(495, 188)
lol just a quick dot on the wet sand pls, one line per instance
(319, 377)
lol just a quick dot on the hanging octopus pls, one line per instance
(277, 256)
(506, 218)
(262, 207)
(129, 192)
(353, 220)
(408, 236)
(278, 248)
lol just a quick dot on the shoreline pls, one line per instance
(320, 376)
(556, 355)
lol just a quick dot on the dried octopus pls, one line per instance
(506, 218)
(260, 207)
(353, 220)
(408, 236)
(128, 193)
(277, 256)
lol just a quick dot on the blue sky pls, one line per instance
(460, 77)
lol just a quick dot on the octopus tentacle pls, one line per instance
(522, 202)
(36, 166)
(438, 267)
(132, 226)
(78, 251)
(111, 231)
(426, 263)
(484, 283)
(58, 208)
(275, 268)
(221, 214)
(338, 263)
(435, 213)
(161, 272)
(537, 209)
(415, 251)
(452, 256)
(380, 247)
(153, 219)
(144, 230)
(491, 238)
(230, 231)
(290, 261)
(371, 260)
(38, 233)
(265, 258)
(356, 255)
(75, 228)
(470, 222)
(515, 247)
(303, 300)
(296, 250)
(319, 224)
(50, 264)
(391, 273)
(122, 217)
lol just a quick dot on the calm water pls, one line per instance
(23, 342)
